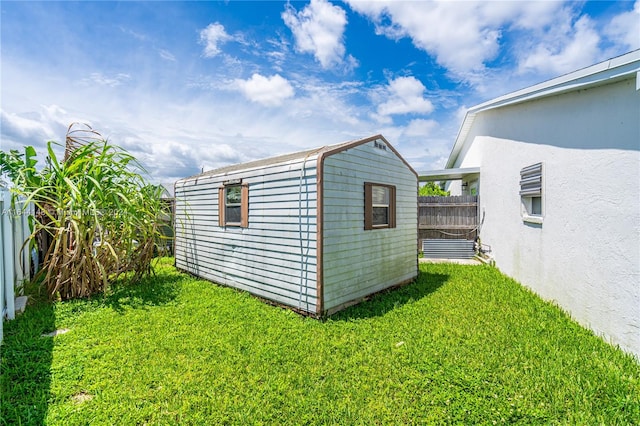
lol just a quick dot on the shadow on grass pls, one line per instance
(154, 290)
(26, 356)
(25, 366)
(385, 301)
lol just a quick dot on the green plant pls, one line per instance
(431, 188)
(96, 216)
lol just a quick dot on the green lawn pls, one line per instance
(464, 344)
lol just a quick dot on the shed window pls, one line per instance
(379, 206)
(234, 205)
(531, 193)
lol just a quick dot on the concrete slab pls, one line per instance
(20, 304)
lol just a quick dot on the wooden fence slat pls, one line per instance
(447, 204)
(454, 217)
(446, 227)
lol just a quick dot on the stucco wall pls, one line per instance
(585, 256)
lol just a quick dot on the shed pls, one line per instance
(315, 231)
(559, 172)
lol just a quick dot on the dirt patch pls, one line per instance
(81, 397)
(56, 332)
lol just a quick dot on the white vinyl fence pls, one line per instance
(15, 262)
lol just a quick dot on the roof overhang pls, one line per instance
(449, 174)
(614, 69)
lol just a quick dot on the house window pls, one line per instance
(233, 205)
(536, 206)
(379, 206)
(531, 193)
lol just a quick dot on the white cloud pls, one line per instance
(165, 54)
(22, 127)
(462, 36)
(565, 49)
(270, 91)
(34, 128)
(420, 127)
(404, 95)
(311, 104)
(625, 28)
(528, 15)
(105, 80)
(138, 36)
(459, 35)
(460, 114)
(318, 29)
(212, 37)
(175, 130)
(546, 38)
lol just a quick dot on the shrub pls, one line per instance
(96, 216)
(431, 188)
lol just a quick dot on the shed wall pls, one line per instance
(585, 255)
(275, 256)
(356, 262)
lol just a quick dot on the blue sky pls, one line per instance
(191, 85)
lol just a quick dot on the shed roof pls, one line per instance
(618, 68)
(294, 156)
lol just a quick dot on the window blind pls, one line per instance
(531, 181)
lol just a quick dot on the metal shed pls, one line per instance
(315, 231)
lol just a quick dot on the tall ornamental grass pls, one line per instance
(97, 217)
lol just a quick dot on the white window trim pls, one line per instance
(227, 204)
(532, 219)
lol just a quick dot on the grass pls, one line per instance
(464, 344)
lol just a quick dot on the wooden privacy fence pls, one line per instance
(15, 262)
(448, 218)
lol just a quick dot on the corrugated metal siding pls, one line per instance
(268, 259)
(448, 249)
(358, 262)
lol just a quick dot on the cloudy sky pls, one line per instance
(186, 86)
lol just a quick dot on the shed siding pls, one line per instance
(356, 262)
(274, 254)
